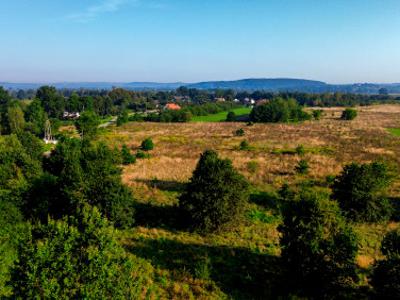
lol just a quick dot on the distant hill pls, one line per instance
(271, 85)
(276, 84)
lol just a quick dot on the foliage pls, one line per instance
(123, 118)
(78, 258)
(302, 167)
(231, 117)
(141, 154)
(300, 150)
(317, 114)
(12, 232)
(349, 114)
(35, 117)
(240, 132)
(127, 157)
(80, 173)
(386, 274)
(88, 124)
(147, 145)
(360, 191)
(279, 110)
(216, 195)
(318, 248)
(52, 102)
(244, 145)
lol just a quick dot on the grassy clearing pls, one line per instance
(394, 131)
(221, 117)
(231, 264)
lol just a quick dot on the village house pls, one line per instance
(172, 106)
(71, 115)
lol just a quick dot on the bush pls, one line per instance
(142, 155)
(244, 145)
(300, 150)
(386, 276)
(318, 248)
(127, 157)
(216, 195)
(147, 145)
(279, 110)
(123, 118)
(231, 117)
(317, 114)
(349, 114)
(253, 166)
(360, 191)
(302, 167)
(79, 258)
(239, 132)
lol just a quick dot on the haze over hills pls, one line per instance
(266, 84)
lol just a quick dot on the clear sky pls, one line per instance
(337, 41)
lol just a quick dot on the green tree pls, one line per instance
(88, 124)
(386, 275)
(36, 117)
(216, 195)
(302, 167)
(231, 117)
(317, 114)
(361, 192)
(79, 258)
(318, 248)
(16, 121)
(127, 157)
(52, 102)
(123, 118)
(349, 114)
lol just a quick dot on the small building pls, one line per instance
(71, 115)
(220, 100)
(172, 106)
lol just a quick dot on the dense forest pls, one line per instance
(62, 209)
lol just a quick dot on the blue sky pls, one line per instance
(338, 41)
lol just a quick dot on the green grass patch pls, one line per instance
(221, 117)
(394, 131)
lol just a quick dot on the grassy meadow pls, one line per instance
(239, 264)
(221, 117)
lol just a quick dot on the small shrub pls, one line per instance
(216, 195)
(317, 114)
(239, 132)
(142, 155)
(349, 114)
(300, 150)
(302, 167)
(249, 123)
(244, 145)
(252, 166)
(231, 117)
(127, 157)
(202, 269)
(147, 145)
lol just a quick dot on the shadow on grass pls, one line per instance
(163, 185)
(238, 272)
(267, 200)
(167, 217)
(395, 201)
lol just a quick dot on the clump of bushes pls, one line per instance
(253, 166)
(147, 145)
(300, 150)
(141, 154)
(317, 114)
(123, 118)
(216, 195)
(349, 114)
(279, 110)
(361, 192)
(318, 248)
(127, 157)
(78, 258)
(386, 274)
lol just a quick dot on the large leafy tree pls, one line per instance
(36, 117)
(88, 124)
(79, 258)
(318, 248)
(360, 191)
(216, 195)
(52, 102)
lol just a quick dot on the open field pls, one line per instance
(185, 261)
(220, 117)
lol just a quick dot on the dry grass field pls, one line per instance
(181, 257)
